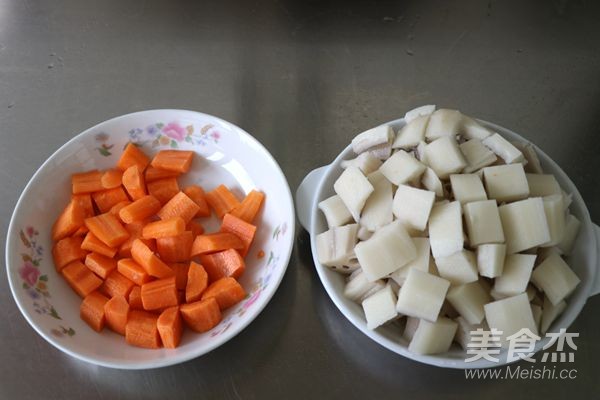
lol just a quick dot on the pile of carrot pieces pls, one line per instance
(130, 245)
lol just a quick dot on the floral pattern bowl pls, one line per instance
(225, 154)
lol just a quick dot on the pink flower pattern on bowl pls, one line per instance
(172, 134)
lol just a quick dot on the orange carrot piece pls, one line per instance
(67, 250)
(181, 274)
(135, 232)
(140, 209)
(197, 282)
(165, 228)
(173, 160)
(249, 207)
(222, 264)
(201, 316)
(116, 311)
(241, 229)
(213, 242)
(81, 279)
(227, 292)
(111, 178)
(116, 284)
(180, 205)
(170, 327)
(106, 199)
(196, 193)
(222, 200)
(153, 174)
(84, 202)
(175, 248)
(163, 189)
(142, 330)
(196, 228)
(135, 298)
(100, 265)
(82, 231)
(159, 294)
(134, 183)
(116, 209)
(133, 271)
(87, 182)
(132, 155)
(92, 243)
(92, 310)
(69, 220)
(108, 229)
(149, 261)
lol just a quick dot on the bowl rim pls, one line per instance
(178, 358)
(384, 341)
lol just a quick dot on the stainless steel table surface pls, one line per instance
(303, 77)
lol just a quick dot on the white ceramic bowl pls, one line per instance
(226, 154)
(318, 185)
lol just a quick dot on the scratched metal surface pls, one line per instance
(303, 77)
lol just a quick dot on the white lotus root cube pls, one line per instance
(458, 268)
(463, 333)
(503, 148)
(468, 300)
(483, 222)
(335, 247)
(467, 188)
(510, 315)
(366, 162)
(536, 311)
(472, 129)
(377, 211)
(388, 249)
(335, 211)
(419, 111)
(444, 156)
(476, 155)
(443, 122)
(421, 262)
(377, 136)
(541, 185)
(354, 189)
(524, 224)
(364, 233)
(506, 182)
(412, 206)
(410, 328)
(433, 337)
(571, 230)
(555, 278)
(446, 229)
(422, 295)
(412, 133)
(555, 216)
(380, 307)
(431, 182)
(532, 164)
(550, 312)
(515, 275)
(359, 287)
(420, 152)
(402, 167)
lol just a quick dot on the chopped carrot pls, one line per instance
(135, 298)
(81, 279)
(116, 311)
(196, 193)
(181, 274)
(149, 261)
(165, 228)
(181, 296)
(116, 209)
(249, 207)
(173, 160)
(106, 199)
(196, 228)
(134, 183)
(111, 178)
(140, 209)
(100, 265)
(213, 242)
(87, 182)
(222, 200)
(135, 232)
(69, 220)
(241, 229)
(175, 248)
(180, 205)
(197, 281)
(159, 294)
(92, 310)
(116, 284)
(170, 327)
(163, 189)
(108, 229)
(67, 250)
(84, 201)
(133, 271)
(142, 330)
(201, 316)
(132, 155)
(82, 231)
(92, 243)
(153, 174)
(227, 292)
(222, 264)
